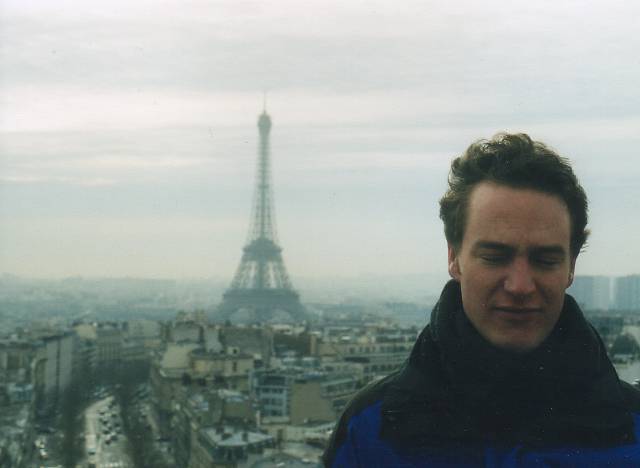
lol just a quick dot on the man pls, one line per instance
(508, 373)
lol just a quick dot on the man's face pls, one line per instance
(514, 264)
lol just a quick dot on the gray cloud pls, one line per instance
(142, 115)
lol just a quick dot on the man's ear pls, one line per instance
(572, 269)
(454, 266)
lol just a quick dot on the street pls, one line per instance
(104, 439)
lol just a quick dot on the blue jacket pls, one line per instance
(458, 402)
(363, 447)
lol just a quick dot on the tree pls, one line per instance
(72, 405)
(625, 344)
(140, 442)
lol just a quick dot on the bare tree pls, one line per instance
(73, 403)
(140, 441)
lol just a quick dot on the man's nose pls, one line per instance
(519, 280)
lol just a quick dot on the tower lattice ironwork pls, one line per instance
(261, 290)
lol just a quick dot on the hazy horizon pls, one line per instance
(128, 130)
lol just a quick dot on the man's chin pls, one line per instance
(519, 345)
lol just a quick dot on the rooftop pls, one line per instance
(231, 437)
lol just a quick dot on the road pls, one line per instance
(103, 425)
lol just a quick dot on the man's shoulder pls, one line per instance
(631, 395)
(363, 407)
(369, 395)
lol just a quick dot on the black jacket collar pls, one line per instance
(457, 388)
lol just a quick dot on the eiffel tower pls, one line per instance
(261, 290)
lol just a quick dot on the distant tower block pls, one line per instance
(261, 290)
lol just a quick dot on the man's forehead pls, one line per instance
(500, 213)
(497, 200)
(507, 194)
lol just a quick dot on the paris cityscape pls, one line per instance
(258, 380)
(154, 310)
(123, 373)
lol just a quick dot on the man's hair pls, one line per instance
(516, 161)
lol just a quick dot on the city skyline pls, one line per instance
(127, 135)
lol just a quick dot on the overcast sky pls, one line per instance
(128, 128)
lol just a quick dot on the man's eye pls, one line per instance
(547, 262)
(494, 259)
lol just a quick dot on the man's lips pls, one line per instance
(518, 310)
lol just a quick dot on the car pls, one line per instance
(44, 430)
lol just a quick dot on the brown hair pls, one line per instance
(516, 161)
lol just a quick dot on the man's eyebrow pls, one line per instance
(536, 250)
(490, 245)
(549, 250)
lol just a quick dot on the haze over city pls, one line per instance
(128, 130)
